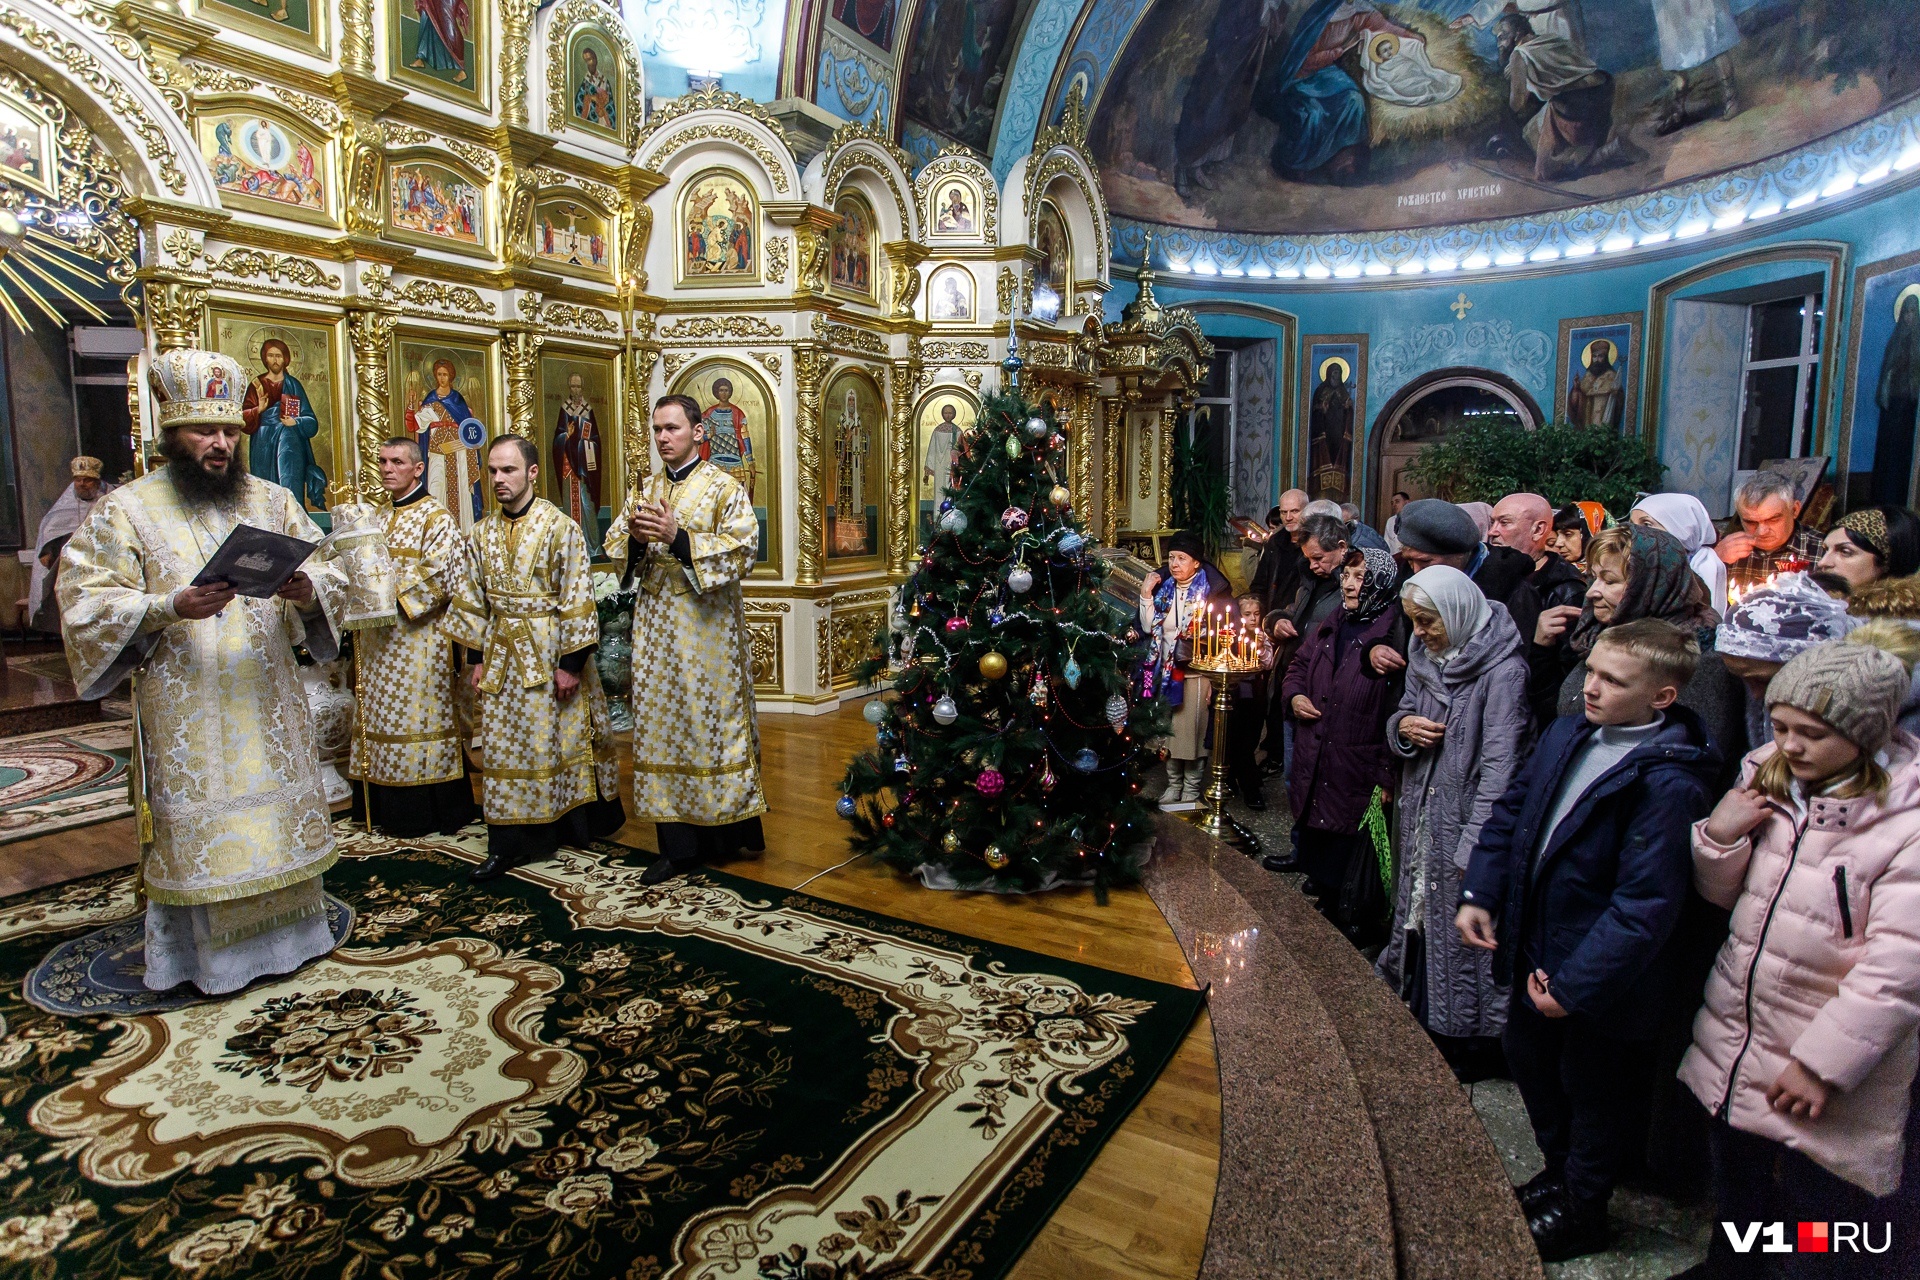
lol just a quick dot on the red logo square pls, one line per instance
(1813, 1237)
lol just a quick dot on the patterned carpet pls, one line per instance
(63, 778)
(567, 1074)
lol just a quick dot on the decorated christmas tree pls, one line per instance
(1013, 736)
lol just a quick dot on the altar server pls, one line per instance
(233, 823)
(406, 746)
(526, 615)
(691, 538)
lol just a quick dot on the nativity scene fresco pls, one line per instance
(1269, 117)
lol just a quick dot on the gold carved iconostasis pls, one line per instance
(447, 222)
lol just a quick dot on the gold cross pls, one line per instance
(1460, 306)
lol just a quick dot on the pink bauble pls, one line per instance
(990, 783)
(955, 624)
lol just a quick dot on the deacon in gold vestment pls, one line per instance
(691, 538)
(232, 814)
(406, 746)
(526, 616)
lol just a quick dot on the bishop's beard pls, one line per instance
(198, 485)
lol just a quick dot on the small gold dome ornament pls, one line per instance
(993, 665)
(1059, 497)
(995, 857)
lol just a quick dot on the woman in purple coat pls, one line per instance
(1340, 707)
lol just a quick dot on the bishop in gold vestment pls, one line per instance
(233, 820)
(526, 613)
(406, 745)
(696, 740)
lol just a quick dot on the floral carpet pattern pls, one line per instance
(567, 1074)
(63, 778)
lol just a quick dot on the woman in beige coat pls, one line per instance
(1805, 1049)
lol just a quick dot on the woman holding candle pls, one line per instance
(1180, 612)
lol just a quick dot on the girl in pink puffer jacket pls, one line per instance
(1805, 1049)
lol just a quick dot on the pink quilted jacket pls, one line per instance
(1823, 965)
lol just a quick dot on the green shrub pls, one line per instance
(1486, 461)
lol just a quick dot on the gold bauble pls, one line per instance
(951, 842)
(993, 665)
(995, 857)
(1060, 497)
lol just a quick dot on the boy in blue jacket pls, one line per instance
(1576, 885)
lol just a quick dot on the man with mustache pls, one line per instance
(232, 814)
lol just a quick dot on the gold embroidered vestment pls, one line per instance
(696, 742)
(525, 604)
(231, 769)
(405, 734)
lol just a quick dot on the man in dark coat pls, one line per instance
(1277, 576)
(1433, 531)
(1577, 884)
(1523, 522)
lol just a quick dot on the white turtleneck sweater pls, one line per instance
(1602, 750)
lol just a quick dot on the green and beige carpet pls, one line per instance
(563, 1074)
(63, 778)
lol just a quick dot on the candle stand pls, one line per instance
(1220, 665)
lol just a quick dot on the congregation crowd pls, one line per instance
(1629, 812)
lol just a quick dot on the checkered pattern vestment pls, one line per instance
(404, 733)
(525, 604)
(696, 742)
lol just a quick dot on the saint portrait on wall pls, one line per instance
(873, 19)
(1056, 255)
(579, 463)
(1595, 371)
(26, 144)
(943, 418)
(953, 212)
(1597, 397)
(950, 295)
(293, 22)
(593, 80)
(850, 248)
(444, 405)
(719, 230)
(856, 466)
(1335, 404)
(434, 43)
(288, 408)
(736, 417)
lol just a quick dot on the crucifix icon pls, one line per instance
(1460, 306)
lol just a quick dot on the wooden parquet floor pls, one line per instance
(1143, 1208)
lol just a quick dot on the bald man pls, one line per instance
(1524, 522)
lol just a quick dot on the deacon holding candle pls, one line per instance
(1174, 609)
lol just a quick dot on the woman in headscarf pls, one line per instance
(1876, 550)
(1572, 531)
(1482, 516)
(1640, 572)
(1460, 732)
(1684, 516)
(1170, 604)
(1340, 706)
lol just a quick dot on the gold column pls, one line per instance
(516, 37)
(520, 349)
(900, 460)
(175, 310)
(356, 39)
(1113, 487)
(1169, 418)
(369, 331)
(1080, 446)
(809, 367)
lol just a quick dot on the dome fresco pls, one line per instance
(1316, 116)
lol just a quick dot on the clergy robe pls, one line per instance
(406, 745)
(62, 518)
(234, 827)
(526, 607)
(696, 741)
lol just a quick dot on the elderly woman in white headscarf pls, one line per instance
(1686, 518)
(1460, 733)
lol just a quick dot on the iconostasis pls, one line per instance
(443, 221)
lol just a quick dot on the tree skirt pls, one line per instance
(63, 778)
(567, 1074)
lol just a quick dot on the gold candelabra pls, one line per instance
(1222, 651)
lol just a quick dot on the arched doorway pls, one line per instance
(1426, 411)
